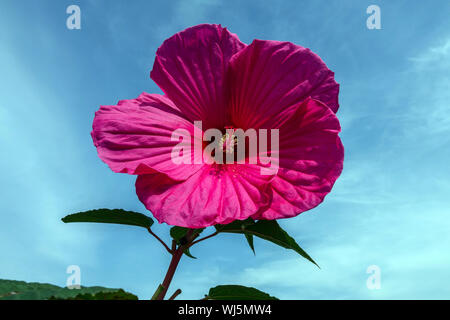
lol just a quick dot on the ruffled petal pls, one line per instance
(269, 79)
(214, 194)
(135, 137)
(311, 159)
(190, 67)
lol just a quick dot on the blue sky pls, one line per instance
(390, 207)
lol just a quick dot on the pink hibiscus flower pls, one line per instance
(209, 75)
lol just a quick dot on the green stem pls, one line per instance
(157, 292)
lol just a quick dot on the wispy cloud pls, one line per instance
(426, 92)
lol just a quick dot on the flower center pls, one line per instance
(228, 142)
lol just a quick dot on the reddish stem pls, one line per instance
(159, 239)
(176, 256)
(175, 294)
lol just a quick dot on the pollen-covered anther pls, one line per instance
(228, 142)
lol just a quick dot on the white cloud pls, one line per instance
(438, 54)
(429, 93)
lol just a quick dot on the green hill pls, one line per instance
(21, 290)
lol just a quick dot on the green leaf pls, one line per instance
(236, 292)
(249, 238)
(268, 230)
(20, 290)
(188, 253)
(179, 234)
(235, 225)
(238, 225)
(117, 216)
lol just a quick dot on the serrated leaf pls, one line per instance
(236, 292)
(116, 216)
(268, 230)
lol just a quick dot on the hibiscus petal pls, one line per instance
(208, 197)
(311, 159)
(190, 67)
(269, 79)
(135, 136)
